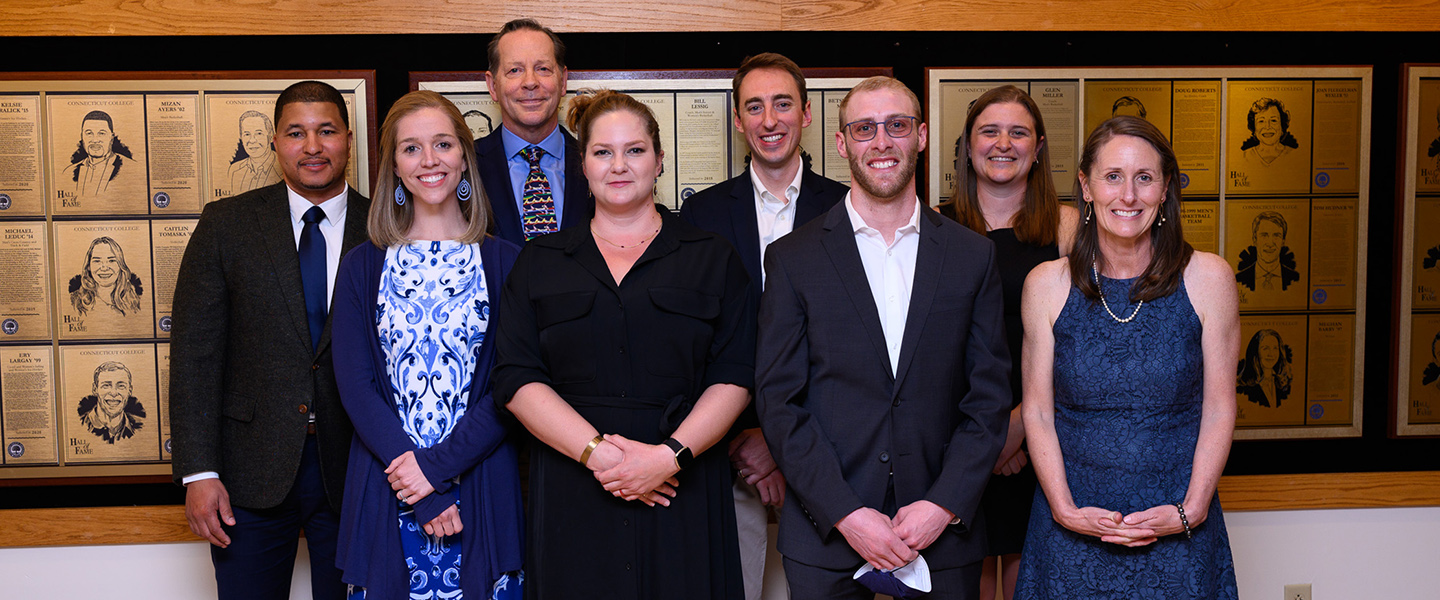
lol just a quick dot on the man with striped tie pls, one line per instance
(530, 166)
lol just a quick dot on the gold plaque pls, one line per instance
(1269, 137)
(108, 403)
(1267, 242)
(98, 160)
(103, 281)
(27, 405)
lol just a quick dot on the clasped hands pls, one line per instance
(411, 486)
(1133, 530)
(752, 460)
(632, 470)
(889, 544)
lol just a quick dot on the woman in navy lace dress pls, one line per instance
(432, 479)
(1129, 402)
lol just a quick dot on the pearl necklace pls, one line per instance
(1096, 271)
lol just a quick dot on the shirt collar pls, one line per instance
(791, 192)
(334, 208)
(859, 226)
(553, 144)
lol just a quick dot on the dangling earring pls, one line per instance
(399, 193)
(1089, 210)
(1162, 215)
(462, 191)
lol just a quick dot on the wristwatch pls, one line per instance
(683, 455)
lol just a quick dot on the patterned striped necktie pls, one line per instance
(537, 215)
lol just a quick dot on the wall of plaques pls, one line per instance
(1275, 173)
(1415, 409)
(695, 112)
(102, 179)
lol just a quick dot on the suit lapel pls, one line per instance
(839, 243)
(929, 262)
(808, 205)
(279, 241)
(495, 175)
(578, 206)
(742, 220)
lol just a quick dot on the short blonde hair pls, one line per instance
(390, 221)
(875, 84)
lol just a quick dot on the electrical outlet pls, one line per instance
(1297, 591)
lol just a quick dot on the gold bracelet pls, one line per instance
(595, 443)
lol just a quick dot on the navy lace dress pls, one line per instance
(1127, 415)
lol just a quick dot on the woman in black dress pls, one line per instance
(1004, 190)
(627, 349)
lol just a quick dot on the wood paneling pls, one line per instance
(155, 524)
(290, 17)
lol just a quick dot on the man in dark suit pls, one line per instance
(776, 193)
(260, 438)
(883, 380)
(531, 167)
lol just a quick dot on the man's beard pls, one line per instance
(97, 150)
(880, 190)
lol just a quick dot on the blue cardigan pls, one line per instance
(477, 450)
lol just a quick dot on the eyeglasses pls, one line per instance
(895, 127)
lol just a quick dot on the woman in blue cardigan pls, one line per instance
(432, 476)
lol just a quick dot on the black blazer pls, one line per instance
(727, 209)
(243, 374)
(836, 419)
(495, 173)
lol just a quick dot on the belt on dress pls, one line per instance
(673, 409)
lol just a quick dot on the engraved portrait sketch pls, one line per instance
(253, 165)
(105, 282)
(111, 412)
(1270, 137)
(1267, 263)
(479, 123)
(1127, 105)
(1263, 376)
(100, 158)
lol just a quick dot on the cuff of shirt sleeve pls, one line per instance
(193, 477)
(733, 374)
(431, 506)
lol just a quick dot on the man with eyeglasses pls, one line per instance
(777, 193)
(883, 373)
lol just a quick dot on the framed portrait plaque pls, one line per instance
(102, 179)
(695, 111)
(1415, 402)
(1274, 170)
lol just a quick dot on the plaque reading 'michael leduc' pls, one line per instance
(1270, 377)
(24, 292)
(22, 187)
(27, 405)
(1336, 162)
(1267, 242)
(1269, 137)
(98, 163)
(168, 240)
(241, 133)
(174, 129)
(104, 284)
(108, 403)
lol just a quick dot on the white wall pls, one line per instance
(1356, 554)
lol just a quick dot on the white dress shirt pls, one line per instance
(890, 270)
(774, 217)
(333, 228)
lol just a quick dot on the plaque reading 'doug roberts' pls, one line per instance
(109, 403)
(104, 286)
(97, 154)
(27, 405)
(24, 291)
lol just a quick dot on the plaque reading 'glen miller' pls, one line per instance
(104, 285)
(27, 405)
(108, 403)
(22, 188)
(98, 155)
(24, 292)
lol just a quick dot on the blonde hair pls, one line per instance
(389, 221)
(875, 84)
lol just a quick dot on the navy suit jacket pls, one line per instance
(495, 173)
(727, 209)
(839, 422)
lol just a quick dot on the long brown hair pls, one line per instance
(389, 221)
(1169, 252)
(1039, 217)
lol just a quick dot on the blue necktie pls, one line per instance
(312, 272)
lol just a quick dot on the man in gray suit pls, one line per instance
(260, 437)
(883, 381)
